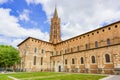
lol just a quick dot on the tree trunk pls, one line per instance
(5, 69)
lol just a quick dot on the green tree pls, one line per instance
(9, 56)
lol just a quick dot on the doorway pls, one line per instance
(59, 69)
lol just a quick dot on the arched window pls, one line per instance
(107, 57)
(41, 60)
(87, 47)
(34, 60)
(73, 61)
(93, 59)
(108, 41)
(65, 61)
(82, 61)
(96, 44)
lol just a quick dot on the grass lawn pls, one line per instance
(4, 77)
(50, 76)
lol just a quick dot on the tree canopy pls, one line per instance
(9, 56)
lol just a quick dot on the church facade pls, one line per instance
(97, 51)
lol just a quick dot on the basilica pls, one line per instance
(97, 51)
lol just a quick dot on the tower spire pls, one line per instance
(55, 13)
(55, 33)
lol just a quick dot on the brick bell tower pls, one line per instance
(55, 33)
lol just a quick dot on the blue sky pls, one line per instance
(23, 18)
(36, 14)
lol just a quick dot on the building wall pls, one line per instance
(54, 56)
(99, 35)
(31, 48)
(111, 32)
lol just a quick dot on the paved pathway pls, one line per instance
(112, 77)
(13, 78)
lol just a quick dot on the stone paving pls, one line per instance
(112, 77)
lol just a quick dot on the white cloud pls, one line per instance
(3, 1)
(24, 15)
(10, 29)
(2, 40)
(15, 42)
(77, 16)
(80, 16)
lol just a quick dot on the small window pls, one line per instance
(82, 61)
(92, 33)
(109, 28)
(103, 30)
(52, 53)
(34, 60)
(56, 52)
(96, 44)
(108, 41)
(107, 58)
(60, 52)
(35, 49)
(87, 47)
(93, 59)
(71, 49)
(116, 26)
(42, 51)
(41, 60)
(65, 61)
(65, 50)
(78, 48)
(73, 61)
(97, 31)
